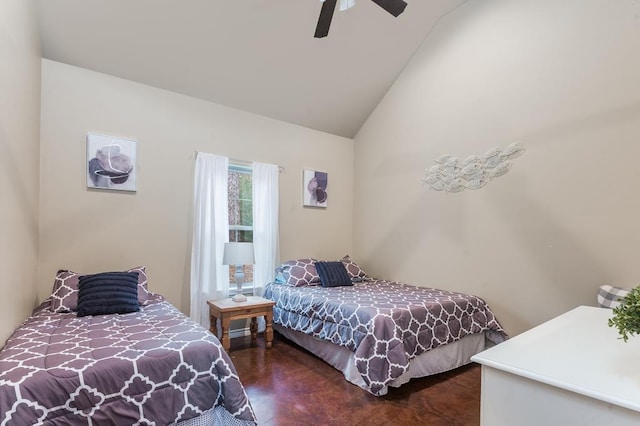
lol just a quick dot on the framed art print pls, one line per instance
(314, 188)
(111, 163)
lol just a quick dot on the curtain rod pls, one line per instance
(242, 162)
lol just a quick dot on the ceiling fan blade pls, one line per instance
(394, 7)
(326, 15)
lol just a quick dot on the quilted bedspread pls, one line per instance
(385, 323)
(152, 367)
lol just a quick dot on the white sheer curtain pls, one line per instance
(209, 278)
(265, 223)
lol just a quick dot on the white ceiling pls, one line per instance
(254, 55)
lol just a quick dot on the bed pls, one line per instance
(152, 366)
(379, 333)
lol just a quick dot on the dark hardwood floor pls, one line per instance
(290, 386)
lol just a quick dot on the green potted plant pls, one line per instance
(626, 317)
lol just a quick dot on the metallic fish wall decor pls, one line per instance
(450, 174)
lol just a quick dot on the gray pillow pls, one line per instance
(611, 297)
(298, 272)
(353, 269)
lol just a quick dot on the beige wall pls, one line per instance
(19, 144)
(99, 230)
(562, 78)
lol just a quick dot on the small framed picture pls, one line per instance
(314, 188)
(111, 163)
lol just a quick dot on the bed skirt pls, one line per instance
(438, 360)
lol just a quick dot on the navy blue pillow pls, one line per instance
(333, 274)
(108, 293)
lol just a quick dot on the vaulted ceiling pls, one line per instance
(258, 56)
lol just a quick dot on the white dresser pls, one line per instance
(572, 370)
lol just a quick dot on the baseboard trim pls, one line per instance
(239, 332)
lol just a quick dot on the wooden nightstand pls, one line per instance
(226, 310)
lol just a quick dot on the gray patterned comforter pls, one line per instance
(151, 367)
(385, 323)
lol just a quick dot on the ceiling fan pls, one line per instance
(394, 7)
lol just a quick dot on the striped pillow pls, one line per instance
(333, 274)
(108, 293)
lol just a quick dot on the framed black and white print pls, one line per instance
(111, 163)
(314, 188)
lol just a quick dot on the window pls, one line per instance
(240, 218)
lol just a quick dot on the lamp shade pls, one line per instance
(238, 254)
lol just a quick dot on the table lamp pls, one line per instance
(238, 254)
